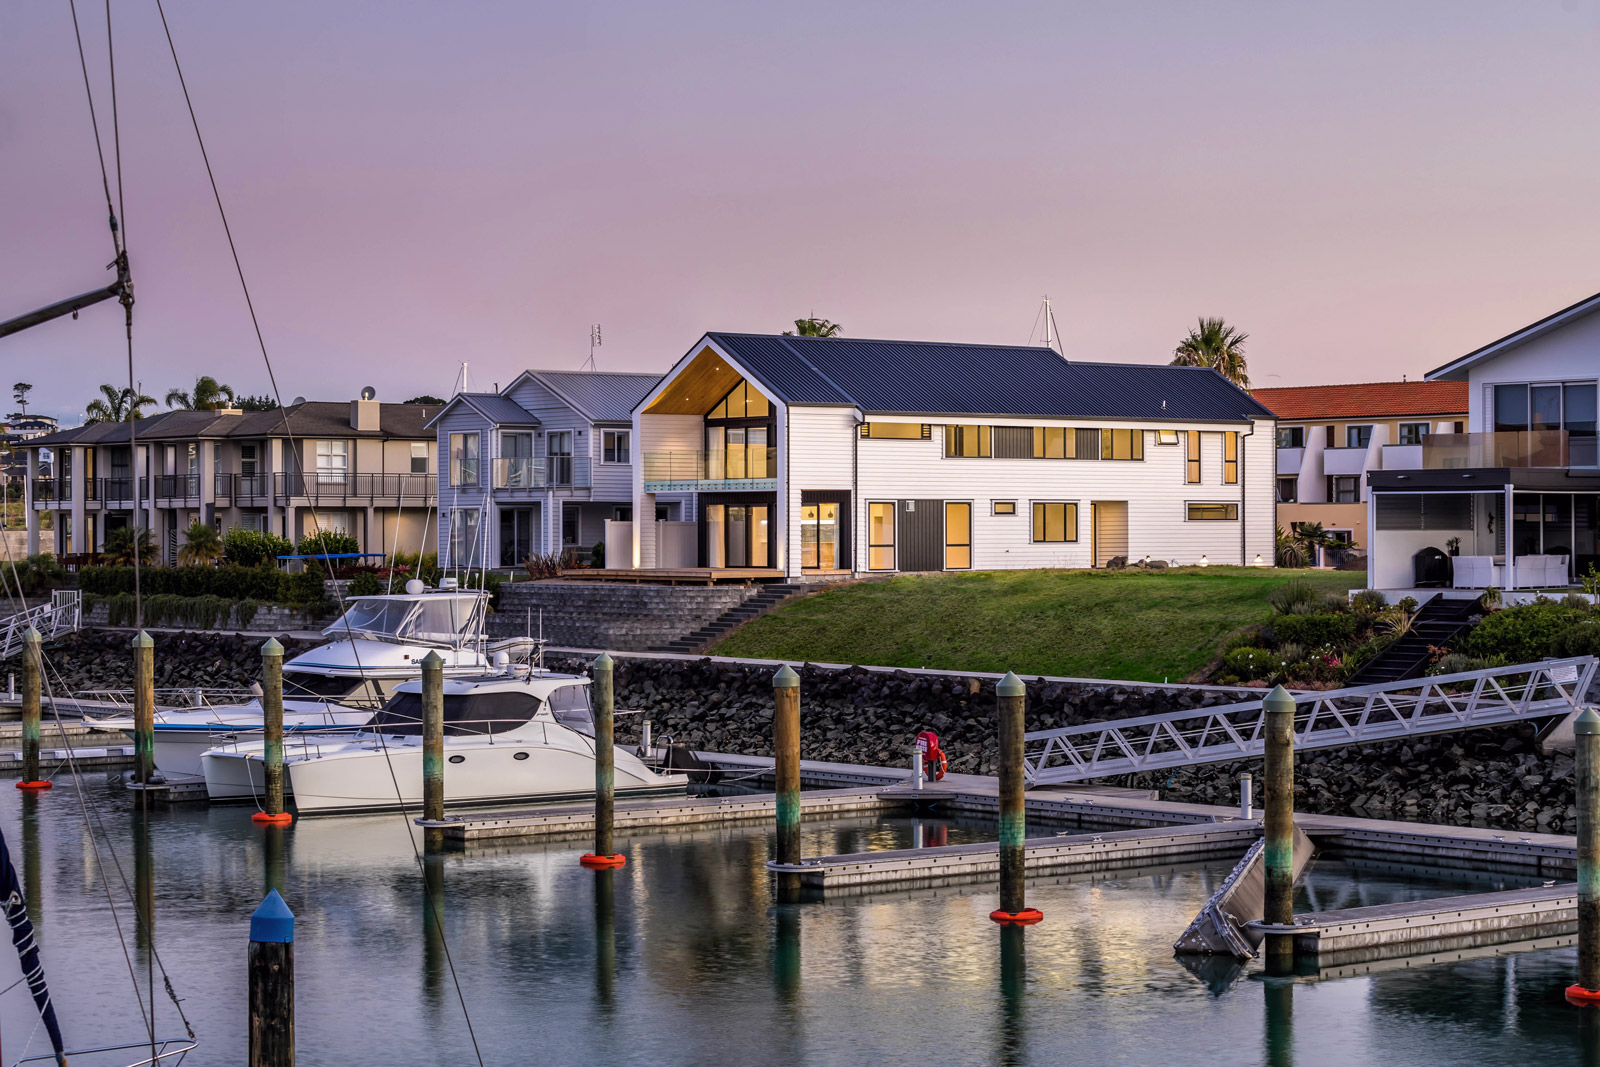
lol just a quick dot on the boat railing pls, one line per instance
(169, 699)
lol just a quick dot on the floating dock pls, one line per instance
(1360, 935)
(1057, 855)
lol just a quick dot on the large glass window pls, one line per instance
(1510, 408)
(957, 536)
(1054, 521)
(1544, 407)
(615, 446)
(966, 442)
(1579, 420)
(333, 460)
(464, 459)
(1055, 442)
(463, 538)
(880, 537)
(1191, 473)
(1230, 458)
(1121, 444)
(743, 402)
(819, 537)
(558, 452)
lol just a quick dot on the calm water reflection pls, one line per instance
(681, 958)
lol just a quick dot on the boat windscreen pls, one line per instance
(374, 617)
(464, 713)
(570, 706)
(446, 619)
(311, 684)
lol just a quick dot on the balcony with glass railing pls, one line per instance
(749, 467)
(341, 487)
(513, 473)
(1508, 448)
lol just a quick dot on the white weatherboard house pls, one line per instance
(811, 457)
(1519, 492)
(538, 467)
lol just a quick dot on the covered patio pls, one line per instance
(1479, 528)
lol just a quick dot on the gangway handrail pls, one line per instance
(1323, 719)
(63, 615)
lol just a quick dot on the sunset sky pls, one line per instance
(1367, 189)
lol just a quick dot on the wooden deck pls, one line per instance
(675, 575)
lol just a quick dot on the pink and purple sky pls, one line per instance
(1368, 189)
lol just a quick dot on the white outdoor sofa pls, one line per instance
(1477, 572)
(1537, 572)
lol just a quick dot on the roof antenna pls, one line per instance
(594, 343)
(463, 382)
(1052, 333)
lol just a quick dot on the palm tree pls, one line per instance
(1217, 345)
(813, 327)
(118, 547)
(113, 404)
(201, 544)
(208, 394)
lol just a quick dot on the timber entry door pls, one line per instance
(1108, 525)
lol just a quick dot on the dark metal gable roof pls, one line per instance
(600, 396)
(923, 377)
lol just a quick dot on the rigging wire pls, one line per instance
(288, 431)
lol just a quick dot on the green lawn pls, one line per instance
(1136, 625)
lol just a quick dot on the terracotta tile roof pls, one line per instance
(1372, 400)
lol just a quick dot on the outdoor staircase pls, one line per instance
(1436, 623)
(769, 598)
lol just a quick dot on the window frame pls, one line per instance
(1294, 481)
(1192, 471)
(1068, 442)
(1400, 432)
(1353, 430)
(1230, 457)
(616, 447)
(458, 459)
(923, 431)
(892, 544)
(1134, 438)
(1291, 431)
(1069, 531)
(1334, 491)
(955, 435)
(419, 451)
(996, 505)
(1230, 510)
(949, 544)
(331, 473)
(1166, 437)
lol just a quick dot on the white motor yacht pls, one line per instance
(518, 734)
(379, 642)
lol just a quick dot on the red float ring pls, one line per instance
(281, 819)
(1579, 995)
(589, 859)
(35, 786)
(1025, 917)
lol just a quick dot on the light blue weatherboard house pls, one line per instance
(539, 466)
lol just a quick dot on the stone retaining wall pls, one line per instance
(621, 618)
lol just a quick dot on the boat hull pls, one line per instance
(372, 776)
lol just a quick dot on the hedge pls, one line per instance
(1522, 634)
(1313, 631)
(227, 582)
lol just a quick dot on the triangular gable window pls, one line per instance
(742, 402)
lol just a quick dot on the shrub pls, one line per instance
(1368, 602)
(117, 548)
(1248, 663)
(1456, 663)
(201, 544)
(366, 583)
(425, 567)
(327, 543)
(1313, 631)
(1286, 598)
(1580, 640)
(35, 575)
(597, 554)
(1576, 601)
(229, 582)
(253, 548)
(1521, 634)
(303, 588)
(1250, 637)
(1290, 653)
(1408, 605)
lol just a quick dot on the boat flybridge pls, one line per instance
(378, 643)
(518, 733)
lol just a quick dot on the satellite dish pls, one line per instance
(298, 400)
(368, 392)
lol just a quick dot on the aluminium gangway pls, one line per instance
(63, 615)
(1355, 716)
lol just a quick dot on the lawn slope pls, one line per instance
(1135, 625)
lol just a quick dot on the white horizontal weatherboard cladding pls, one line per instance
(1154, 489)
(1565, 354)
(819, 450)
